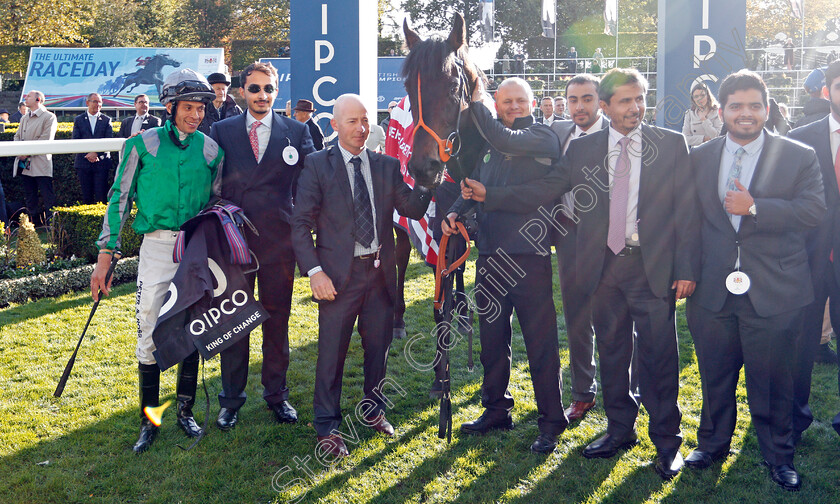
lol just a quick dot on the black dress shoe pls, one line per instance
(545, 443)
(284, 412)
(227, 418)
(148, 433)
(699, 459)
(668, 465)
(785, 476)
(485, 424)
(608, 445)
(185, 420)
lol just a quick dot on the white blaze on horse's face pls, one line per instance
(512, 102)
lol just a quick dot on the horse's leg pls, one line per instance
(402, 252)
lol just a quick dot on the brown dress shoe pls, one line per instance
(334, 445)
(380, 424)
(578, 409)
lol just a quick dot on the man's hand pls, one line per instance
(684, 288)
(447, 225)
(97, 278)
(92, 157)
(322, 287)
(138, 133)
(738, 202)
(473, 189)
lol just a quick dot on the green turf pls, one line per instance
(77, 448)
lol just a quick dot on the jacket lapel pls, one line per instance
(341, 178)
(377, 180)
(707, 185)
(279, 133)
(822, 146)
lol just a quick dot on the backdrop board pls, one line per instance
(697, 40)
(334, 52)
(67, 76)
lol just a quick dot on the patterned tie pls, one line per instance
(363, 229)
(255, 142)
(618, 199)
(735, 171)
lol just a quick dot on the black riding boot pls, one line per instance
(185, 390)
(149, 391)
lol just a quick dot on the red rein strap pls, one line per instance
(444, 146)
(442, 269)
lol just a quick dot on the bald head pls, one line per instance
(514, 99)
(350, 121)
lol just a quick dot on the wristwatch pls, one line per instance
(752, 209)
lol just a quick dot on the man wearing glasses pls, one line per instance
(265, 153)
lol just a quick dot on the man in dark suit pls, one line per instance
(21, 111)
(92, 168)
(824, 137)
(264, 155)
(303, 113)
(582, 96)
(546, 115)
(141, 121)
(637, 245)
(349, 194)
(759, 194)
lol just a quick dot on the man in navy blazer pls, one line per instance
(92, 168)
(759, 194)
(140, 121)
(823, 245)
(349, 194)
(264, 154)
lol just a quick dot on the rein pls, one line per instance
(443, 270)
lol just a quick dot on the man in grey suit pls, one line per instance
(36, 171)
(582, 96)
(140, 121)
(759, 193)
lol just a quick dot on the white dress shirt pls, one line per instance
(137, 125)
(748, 162)
(93, 119)
(634, 151)
(263, 132)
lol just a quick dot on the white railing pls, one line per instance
(40, 147)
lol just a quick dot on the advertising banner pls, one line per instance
(67, 76)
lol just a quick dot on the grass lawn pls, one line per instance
(77, 448)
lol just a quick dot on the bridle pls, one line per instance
(450, 147)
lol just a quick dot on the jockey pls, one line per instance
(170, 172)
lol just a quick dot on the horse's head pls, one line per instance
(166, 60)
(439, 80)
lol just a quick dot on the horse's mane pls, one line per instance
(433, 56)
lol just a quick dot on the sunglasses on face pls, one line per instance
(255, 88)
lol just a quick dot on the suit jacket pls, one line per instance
(40, 127)
(821, 240)
(325, 203)
(265, 191)
(788, 192)
(668, 231)
(316, 134)
(564, 128)
(148, 123)
(81, 130)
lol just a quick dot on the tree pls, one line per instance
(766, 18)
(115, 24)
(57, 22)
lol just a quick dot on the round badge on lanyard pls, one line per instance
(737, 283)
(290, 155)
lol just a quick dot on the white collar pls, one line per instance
(265, 121)
(833, 124)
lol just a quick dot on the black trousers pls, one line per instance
(31, 186)
(623, 300)
(365, 297)
(531, 297)
(94, 181)
(725, 341)
(275, 294)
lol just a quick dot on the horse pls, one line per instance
(440, 81)
(150, 73)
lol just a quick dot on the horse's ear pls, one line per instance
(457, 35)
(411, 37)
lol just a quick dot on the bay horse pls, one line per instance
(440, 80)
(151, 73)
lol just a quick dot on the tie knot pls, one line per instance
(624, 142)
(356, 161)
(740, 153)
(255, 125)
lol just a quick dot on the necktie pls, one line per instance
(363, 229)
(582, 134)
(255, 142)
(735, 171)
(618, 199)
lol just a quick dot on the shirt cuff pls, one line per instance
(316, 269)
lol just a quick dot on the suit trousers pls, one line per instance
(528, 291)
(577, 311)
(623, 300)
(725, 341)
(276, 282)
(31, 186)
(365, 297)
(94, 181)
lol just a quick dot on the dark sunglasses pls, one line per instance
(255, 88)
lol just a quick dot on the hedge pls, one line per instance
(77, 227)
(65, 182)
(21, 290)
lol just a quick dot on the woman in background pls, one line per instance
(702, 122)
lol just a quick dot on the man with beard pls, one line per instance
(759, 194)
